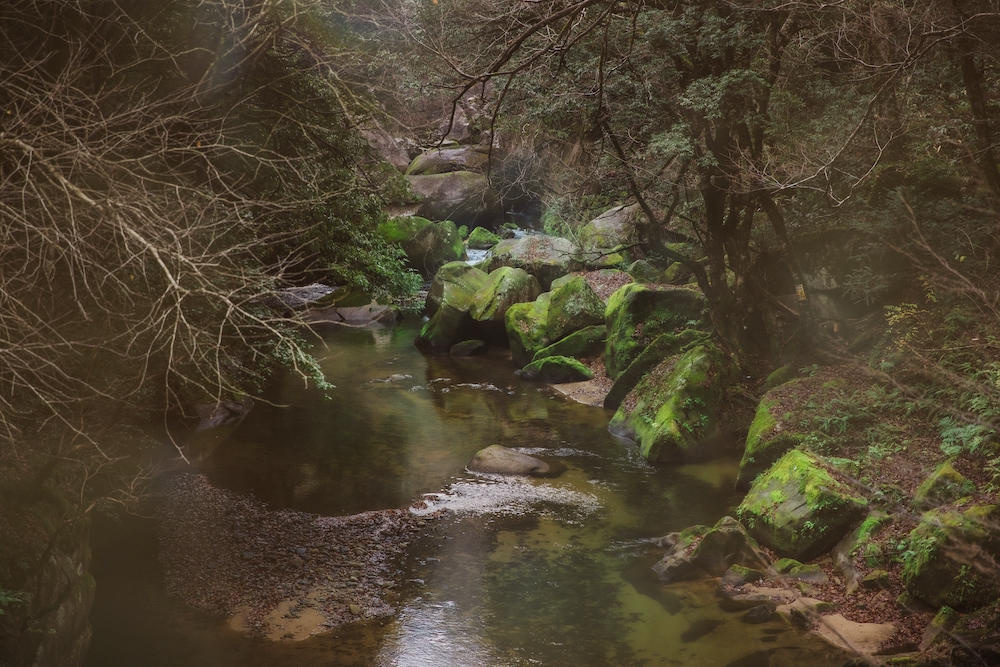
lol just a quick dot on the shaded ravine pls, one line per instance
(516, 572)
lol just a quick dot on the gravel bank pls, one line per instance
(285, 574)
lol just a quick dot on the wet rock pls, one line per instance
(739, 575)
(586, 342)
(759, 614)
(727, 544)
(469, 348)
(556, 370)
(504, 461)
(751, 596)
(699, 629)
(676, 563)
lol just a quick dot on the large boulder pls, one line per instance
(449, 301)
(670, 413)
(572, 307)
(801, 507)
(556, 370)
(545, 257)
(665, 345)
(954, 558)
(504, 461)
(767, 441)
(428, 245)
(636, 314)
(725, 545)
(944, 485)
(611, 229)
(462, 196)
(482, 239)
(503, 288)
(526, 330)
(447, 160)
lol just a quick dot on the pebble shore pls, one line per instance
(281, 574)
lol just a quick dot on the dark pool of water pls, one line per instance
(520, 572)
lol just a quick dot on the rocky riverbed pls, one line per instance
(281, 574)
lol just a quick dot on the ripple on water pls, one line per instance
(505, 495)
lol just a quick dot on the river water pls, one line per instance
(551, 572)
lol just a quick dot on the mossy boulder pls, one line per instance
(670, 413)
(556, 370)
(573, 306)
(445, 160)
(676, 563)
(779, 377)
(637, 314)
(401, 229)
(503, 288)
(545, 257)
(944, 485)
(767, 441)
(526, 330)
(482, 239)
(452, 281)
(800, 508)
(611, 229)
(953, 558)
(463, 196)
(449, 301)
(727, 544)
(665, 345)
(644, 272)
(469, 348)
(586, 342)
(433, 246)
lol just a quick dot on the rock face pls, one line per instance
(462, 196)
(503, 288)
(448, 303)
(671, 412)
(557, 370)
(637, 314)
(504, 461)
(955, 557)
(799, 507)
(447, 160)
(545, 257)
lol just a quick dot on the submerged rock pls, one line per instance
(504, 461)
(799, 507)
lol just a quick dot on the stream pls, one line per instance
(553, 572)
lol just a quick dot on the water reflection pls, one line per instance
(548, 572)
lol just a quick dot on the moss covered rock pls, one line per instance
(586, 342)
(644, 272)
(944, 485)
(637, 314)
(573, 306)
(952, 558)
(556, 370)
(502, 289)
(676, 563)
(402, 229)
(665, 345)
(427, 244)
(469, 348)
(767, 441)
(545, 257)
(449, 301)
(526, 330)
(727, 544)
(445, 160)
(615, 227)
(482, 239)
(452, 281)
(671, 412)
(800, 508)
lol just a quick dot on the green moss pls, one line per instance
(557, 370)
(674, 414)
(779, 377)
(572, 307)
(502, 289)
(944, 485)
(767, 440)
(482, 239)
(664, 346)
(583, 343)
(402, 229)
(526, 332)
